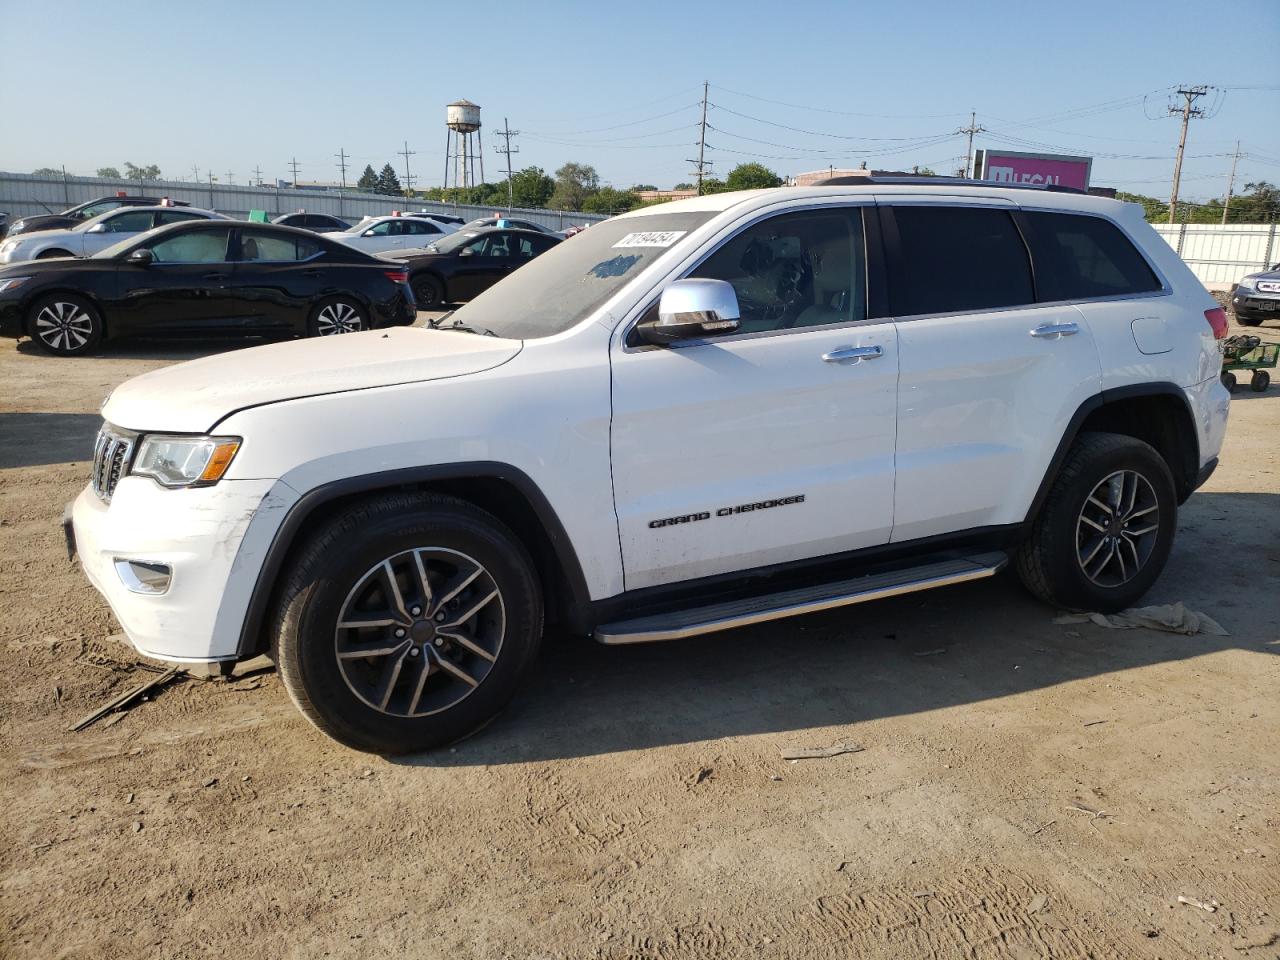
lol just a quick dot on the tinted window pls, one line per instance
(384, 229)
(420, 227)
(795, 270)
(194, 246)
(958, 258)
(486, 246)
(258, 245)
(131, 221)
(1080, 256)
(175, 216)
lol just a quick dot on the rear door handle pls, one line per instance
(853, 354)
(215, 276)
(1055, 331)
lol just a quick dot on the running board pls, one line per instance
(791, 603)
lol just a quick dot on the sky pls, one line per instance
(796, 86)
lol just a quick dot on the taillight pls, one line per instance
(1217, 318)
(397, 276)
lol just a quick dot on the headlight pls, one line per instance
(1248, 283)
(184, 461)
(9, 283)
(8, 246)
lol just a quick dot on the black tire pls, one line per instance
(428, 292)
(337, 315)
(1248, 321)
(1050, 561)
(1259, 382)
(329, 571)
(1229, 380)
(50, 254)
(65, 324)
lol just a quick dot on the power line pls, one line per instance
(1189, 95)
(841, 113)
(257, 172)
(507, 133)
(619, 126)
(811, 133)
(293, 165)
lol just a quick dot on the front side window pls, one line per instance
(256, 245)
(795, 270)
(958, 259)
(384, 229)
(484, 247)
(131, 221)
(193, 246)
(1078, 256)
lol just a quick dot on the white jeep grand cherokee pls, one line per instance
(698, 415)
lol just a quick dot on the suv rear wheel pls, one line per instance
(1106, 529)
(407, 622)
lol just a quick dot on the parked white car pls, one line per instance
(380, 234)
(695, 416)
(97, 234)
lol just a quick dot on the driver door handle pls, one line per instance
(853, 354)
(1055, 331)
(215, 276)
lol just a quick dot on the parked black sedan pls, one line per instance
(317, 222)
(79, 214)
(203, 277)
(465, 264)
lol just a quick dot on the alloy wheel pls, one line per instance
(64, 326)
(420, 631)
(1117, 528)
(338, 317)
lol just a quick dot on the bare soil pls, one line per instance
(1026, 789)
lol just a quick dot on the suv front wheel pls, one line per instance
(407, 622)
(1105, 531)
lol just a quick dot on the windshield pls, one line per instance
(360, 227)
(454, 240)
(564, 285)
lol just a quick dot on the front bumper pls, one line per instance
(1256, 306)
(212, 538)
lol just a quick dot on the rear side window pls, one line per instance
(958, 258)
(272, 248)
(1079, 256)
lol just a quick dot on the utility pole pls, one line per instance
(230, 175)
(212, 178)
(1189, 95)
(293, 165)
(257, 173)
(408, 180)
(342, 165)
(507, 133)
(702, 138)
(1231, 182)
(970, 130)
(195, 173)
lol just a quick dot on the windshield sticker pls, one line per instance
(616, 267)
(655, 238)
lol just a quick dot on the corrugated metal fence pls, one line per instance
(23, 194)
(1220, 254)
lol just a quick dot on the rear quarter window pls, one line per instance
(1078, 256)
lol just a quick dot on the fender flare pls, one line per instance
(294, 525)
(1098, 400)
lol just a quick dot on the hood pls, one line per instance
(192, 397)
(1264, 275)
(61, 265)
(43, 221)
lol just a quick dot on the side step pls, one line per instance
(791, 603)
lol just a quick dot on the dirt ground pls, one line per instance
(1026, 789)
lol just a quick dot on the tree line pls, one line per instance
(1259, 203)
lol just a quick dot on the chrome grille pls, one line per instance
(111, 455)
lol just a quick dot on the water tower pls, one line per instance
(462, 145)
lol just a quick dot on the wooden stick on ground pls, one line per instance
(126, 698)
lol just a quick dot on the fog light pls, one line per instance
(139, 576)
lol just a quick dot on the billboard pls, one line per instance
(1054, 169)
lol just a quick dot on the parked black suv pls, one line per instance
(85, 211)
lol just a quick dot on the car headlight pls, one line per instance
(184, 461)
(9, 283)
(1248, 283)
(8, 246)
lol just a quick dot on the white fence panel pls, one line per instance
(23, 194)
(1220, 254)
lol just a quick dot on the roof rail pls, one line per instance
(857, 181)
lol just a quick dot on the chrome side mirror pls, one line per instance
(691, 310)
(98, 228)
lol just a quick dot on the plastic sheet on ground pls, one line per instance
(1169, 617)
